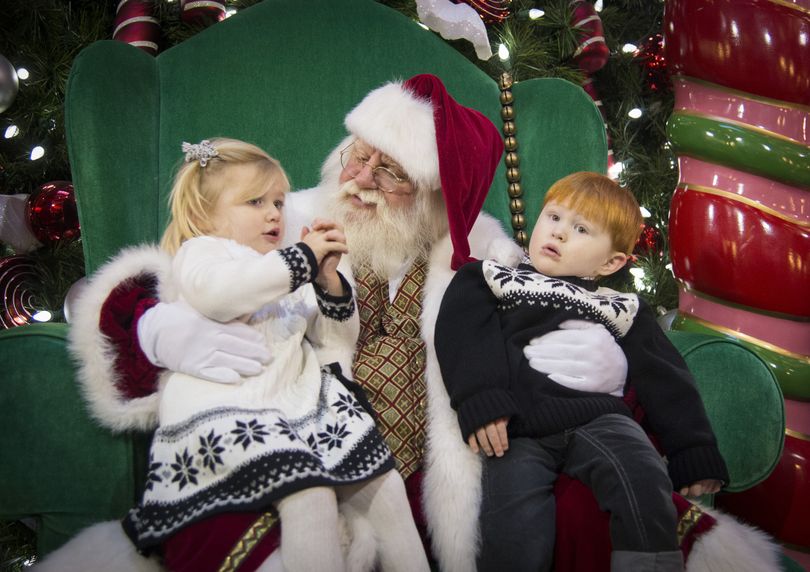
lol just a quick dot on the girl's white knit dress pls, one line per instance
(299, 423)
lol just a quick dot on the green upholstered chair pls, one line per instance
(282, 75)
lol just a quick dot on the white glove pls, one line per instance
(580, 355)
(175, 336)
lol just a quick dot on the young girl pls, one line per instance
(295, 438)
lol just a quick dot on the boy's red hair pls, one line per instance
(602, 201)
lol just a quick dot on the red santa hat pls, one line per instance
(438, 142)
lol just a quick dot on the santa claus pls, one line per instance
(408, 184)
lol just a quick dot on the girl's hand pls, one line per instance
(324, 238)
(330, 261)
(328, 242)
(329, 264)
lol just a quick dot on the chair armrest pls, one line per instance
(59, 467)
(743, 401)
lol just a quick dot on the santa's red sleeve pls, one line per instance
(117, 380)
(137, 376)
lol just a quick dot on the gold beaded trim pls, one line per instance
(242, 549)
(688, 521)
(515, 191)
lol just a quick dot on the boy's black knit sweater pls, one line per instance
(490, 312)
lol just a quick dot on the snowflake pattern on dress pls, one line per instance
(233, 459)
(153, 475)
(211, 451)
(249, 432)
(184, 471)
(333, 436)
(515, 287)
(346, 403)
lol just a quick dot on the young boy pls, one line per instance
(537, 428)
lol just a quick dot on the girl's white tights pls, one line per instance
(309, 539)
(385, 504)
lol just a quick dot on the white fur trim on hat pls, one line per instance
(401, 125)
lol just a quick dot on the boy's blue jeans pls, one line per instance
(614, 458)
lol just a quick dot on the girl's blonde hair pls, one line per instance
(602, 201)
(196, 189)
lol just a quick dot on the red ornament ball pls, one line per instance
(16, 303)
(491, 11)
(649, 242)
(656, 71)
(52, 213)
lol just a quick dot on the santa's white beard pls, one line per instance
(382, 238)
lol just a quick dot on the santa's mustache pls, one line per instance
(352, 189)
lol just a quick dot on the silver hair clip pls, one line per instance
(202, 152)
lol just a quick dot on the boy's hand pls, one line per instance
(704, 487)
(492, 438)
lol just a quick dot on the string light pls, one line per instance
(638, 278)
(536, 13)
(615, 170)
(645, 213)
(634, 113)
(37, 152)
(42, 316)
(629, 48)
(230, 12)
(598, 5)
(503, 52)
(12, 131)
(22, 73)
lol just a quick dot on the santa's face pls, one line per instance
(385, 229)
(372, 170)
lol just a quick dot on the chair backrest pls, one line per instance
(283, 75)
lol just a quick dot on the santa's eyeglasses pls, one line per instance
(353, 159)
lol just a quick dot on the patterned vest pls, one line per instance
(390, 361)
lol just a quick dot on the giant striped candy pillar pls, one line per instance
(740, 217)
(136, 25)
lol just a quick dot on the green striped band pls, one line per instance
(741, 147)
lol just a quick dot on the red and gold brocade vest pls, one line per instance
(390, 361)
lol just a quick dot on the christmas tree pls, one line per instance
(613, 49)
(624, 72)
